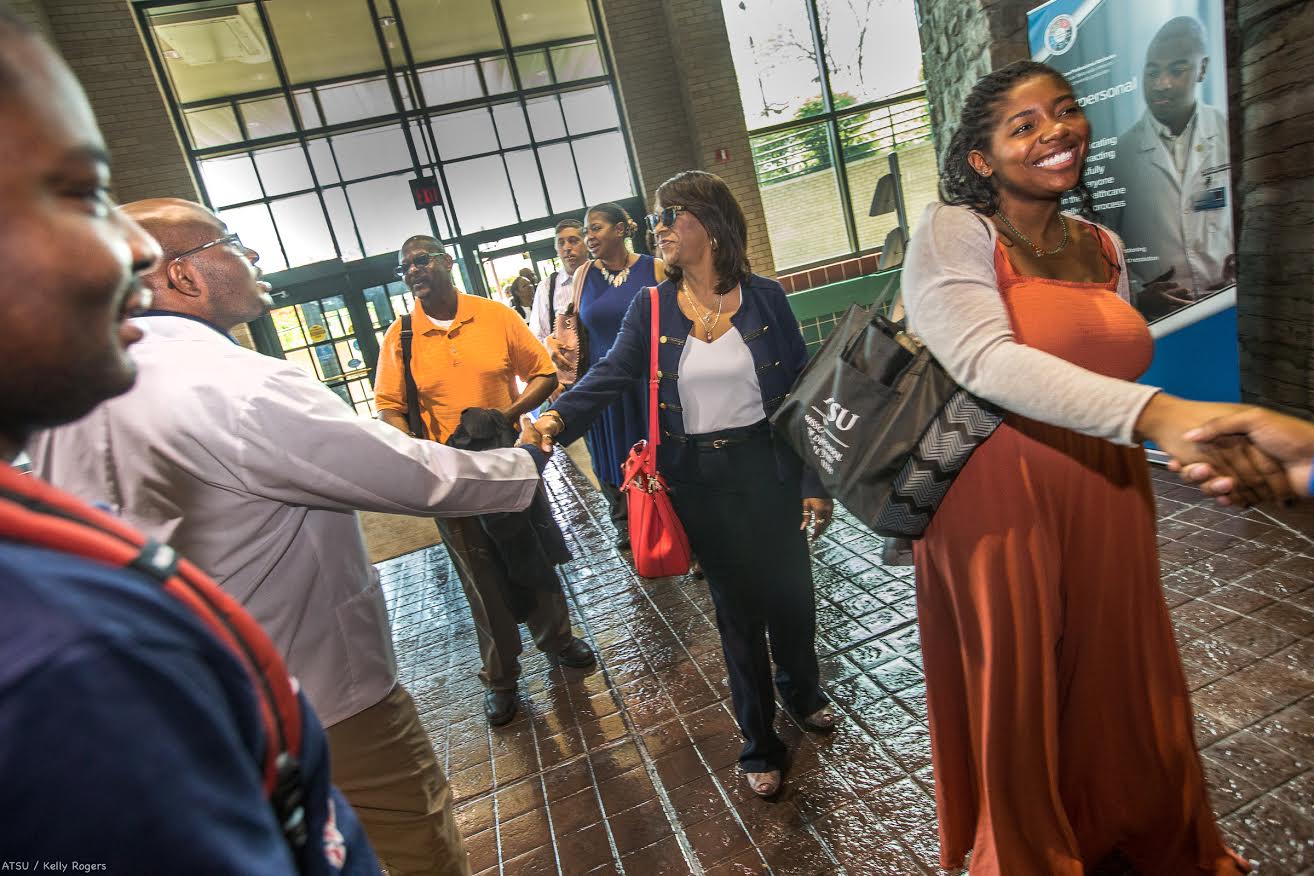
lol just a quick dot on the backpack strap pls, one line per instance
(552, 301)
(412, 392)
(33, 512)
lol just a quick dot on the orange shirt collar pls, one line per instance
(464, 313)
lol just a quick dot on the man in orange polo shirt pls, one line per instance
(467, 352)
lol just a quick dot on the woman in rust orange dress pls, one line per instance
(1061, 726)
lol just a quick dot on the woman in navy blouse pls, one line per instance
(730, 349)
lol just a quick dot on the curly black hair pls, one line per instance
(959, 183)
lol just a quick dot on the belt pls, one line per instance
(723, 438)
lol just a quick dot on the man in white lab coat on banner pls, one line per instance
(1177, 224)
(254, 470)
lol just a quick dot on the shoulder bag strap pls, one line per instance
(552, 302)
(654, 429)
(412, 392)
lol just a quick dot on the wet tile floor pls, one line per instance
(632, 768)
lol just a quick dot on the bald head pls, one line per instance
(218, 283)
(1175, 64)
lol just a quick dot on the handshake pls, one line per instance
(541, 432)
(1246, 455)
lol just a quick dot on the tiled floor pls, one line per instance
(631, 768)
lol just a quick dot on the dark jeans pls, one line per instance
(743, 524)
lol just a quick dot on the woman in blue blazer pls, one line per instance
(730, 349)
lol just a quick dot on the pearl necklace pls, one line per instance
(708, 319)
(1022, 237)
(615, 278)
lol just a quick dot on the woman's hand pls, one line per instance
(1165, 421)
(542, 431)
(817, 514)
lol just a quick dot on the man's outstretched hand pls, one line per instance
(1279, 449)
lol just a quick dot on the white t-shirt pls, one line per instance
(718, 384)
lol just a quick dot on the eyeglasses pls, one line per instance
(421, 260)
(665, 216)
(222, 241)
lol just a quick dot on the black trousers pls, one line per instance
(743, 524)
(618, 507)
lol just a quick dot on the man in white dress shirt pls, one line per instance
(553, 296)
(1174, 163)
(254, 470)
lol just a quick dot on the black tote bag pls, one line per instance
(882, 423)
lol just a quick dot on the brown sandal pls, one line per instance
(823, 720)
(764, 785)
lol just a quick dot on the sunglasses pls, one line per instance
(420, 260)
(665, 216)
(222, 241)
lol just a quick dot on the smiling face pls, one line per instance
(604, 238)
(1039, 143)
(684, 242)
(72, 262)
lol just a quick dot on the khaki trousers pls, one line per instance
(481, 575)
(383, 763)
(578, 451)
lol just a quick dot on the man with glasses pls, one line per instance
(254, 470)
(467, 352)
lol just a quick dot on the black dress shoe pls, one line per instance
(576, 655)
(500, 706)
(623, 541)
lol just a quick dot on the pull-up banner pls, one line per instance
(1151, 76)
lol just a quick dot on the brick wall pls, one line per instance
(681, 101)
(1272, 111)
(100, 41)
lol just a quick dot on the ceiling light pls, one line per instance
(173, 54)
(387, 20)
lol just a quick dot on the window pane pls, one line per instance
(267, 118)
(230, 180)
(363, 99)
(579, 61)
(800, 197)
(775, 59)
(306, 109)
(305, 234)
(561, 178)
(533, 69)
(321, 158)
(463, 27)
(257, 231)
(214, 126)
(283, 169)
(464, 133)
(872, 49)
(344, 229)
(385, 213)
(868, 139)
(379, 307)
(290, 331)
(533, 21)
(526, 183)
(481, 194)
(450, 84)
(592, 109)
(608, 176)
(545, 118)
(213, 53)
(497, 75)
(324, 39)
(511, 127)
(365, 153)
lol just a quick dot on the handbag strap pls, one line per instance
(654, 431)
(412, 392)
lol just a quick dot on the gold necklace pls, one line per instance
(708, 320)
(1040, 252)
(615, 278)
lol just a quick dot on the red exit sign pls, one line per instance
(426, 193)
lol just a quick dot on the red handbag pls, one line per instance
(657, 537)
